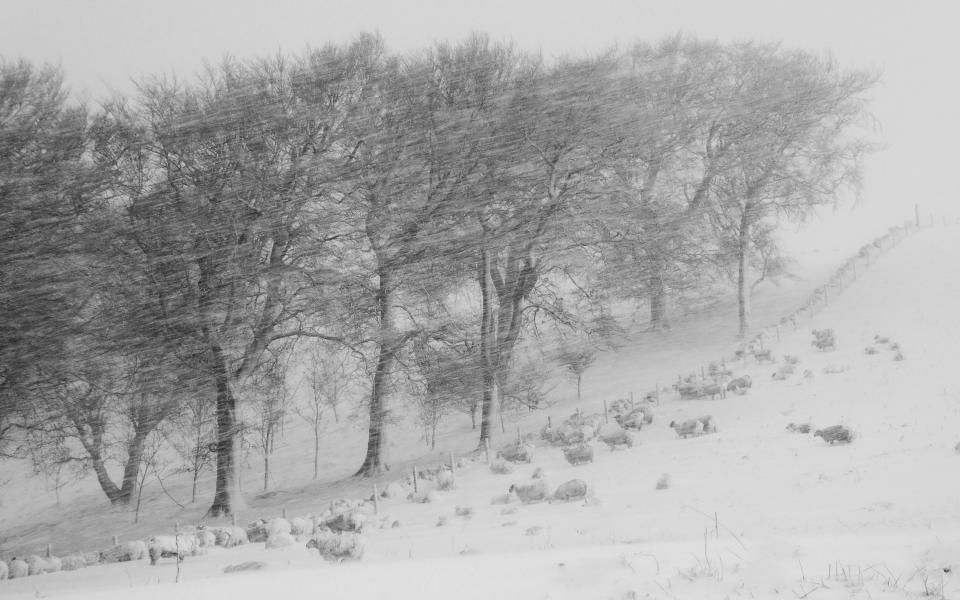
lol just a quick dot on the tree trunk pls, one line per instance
(487, 344)
(658, 301)
(316, 450)
(106, 484)
(132, 468)
(743, 289)
(266, 470)
(373, 462)
(226, 494)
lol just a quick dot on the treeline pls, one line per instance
(164, 254)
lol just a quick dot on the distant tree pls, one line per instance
(576, 359)
(330, 374)
(556, 135)
(270, 400)
(417, 167)
(793, 126)
(651, 231)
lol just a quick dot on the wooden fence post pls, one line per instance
(376, 499)
(605, 418)
(415, 490)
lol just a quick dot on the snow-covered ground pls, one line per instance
(753, 511)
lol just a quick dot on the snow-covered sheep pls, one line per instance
(279, 539)
(257, 531)
(578, 455)
(337, 546)
(688, 428)
(635, 419)
(351, 520)
(824, 339)
(301, 526)
(230, 536)
(538, 491)
(277, 526)
(445, 479)
(38, 565)
(172, 546)
(92, 558)
(740, 385)
(835, 434)
(18, 568)
(395, 489)
(575, 489)
(205, 538)
(422, 496)
(4, 570)
(709, 424)
(72, 562)
(499, 467)
(799, 427)
(516, 452)
(614, 436)
(763, 355)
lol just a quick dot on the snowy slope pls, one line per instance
(753, 511)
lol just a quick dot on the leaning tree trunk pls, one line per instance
(743, 289)
(226, 494)
(373, 462)
(132, 469)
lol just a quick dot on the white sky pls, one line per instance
(103, 43)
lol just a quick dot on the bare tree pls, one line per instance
(794, 128)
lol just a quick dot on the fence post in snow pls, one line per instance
(376, 499)
(414, 469)
(116, 540)
(605, 419)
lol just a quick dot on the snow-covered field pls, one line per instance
(752, 512)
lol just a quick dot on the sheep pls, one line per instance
(257, 531)
(709, 425)
(579, 454)
(337, 546)
(92, 558)
(394, 489)
(516, 452)
(301, 526)
(72, 562)
(499, 467)
(575, 489)
(205, 538)
(277, 526)
(824, 339)
(279, 539)
(230, 537)
(688, 428)
(445, 479)
(763, 355)
(740, 385)
(167, 546)
(799, 427)
(18, 568)
(38, 565)
(614, 436)
(835, 434)
(835, 369)
(352, 521)
(713, 390)
(634, 419)
(124, 552)
(3, 570)
(528, 493)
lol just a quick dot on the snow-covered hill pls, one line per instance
(752, 511)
